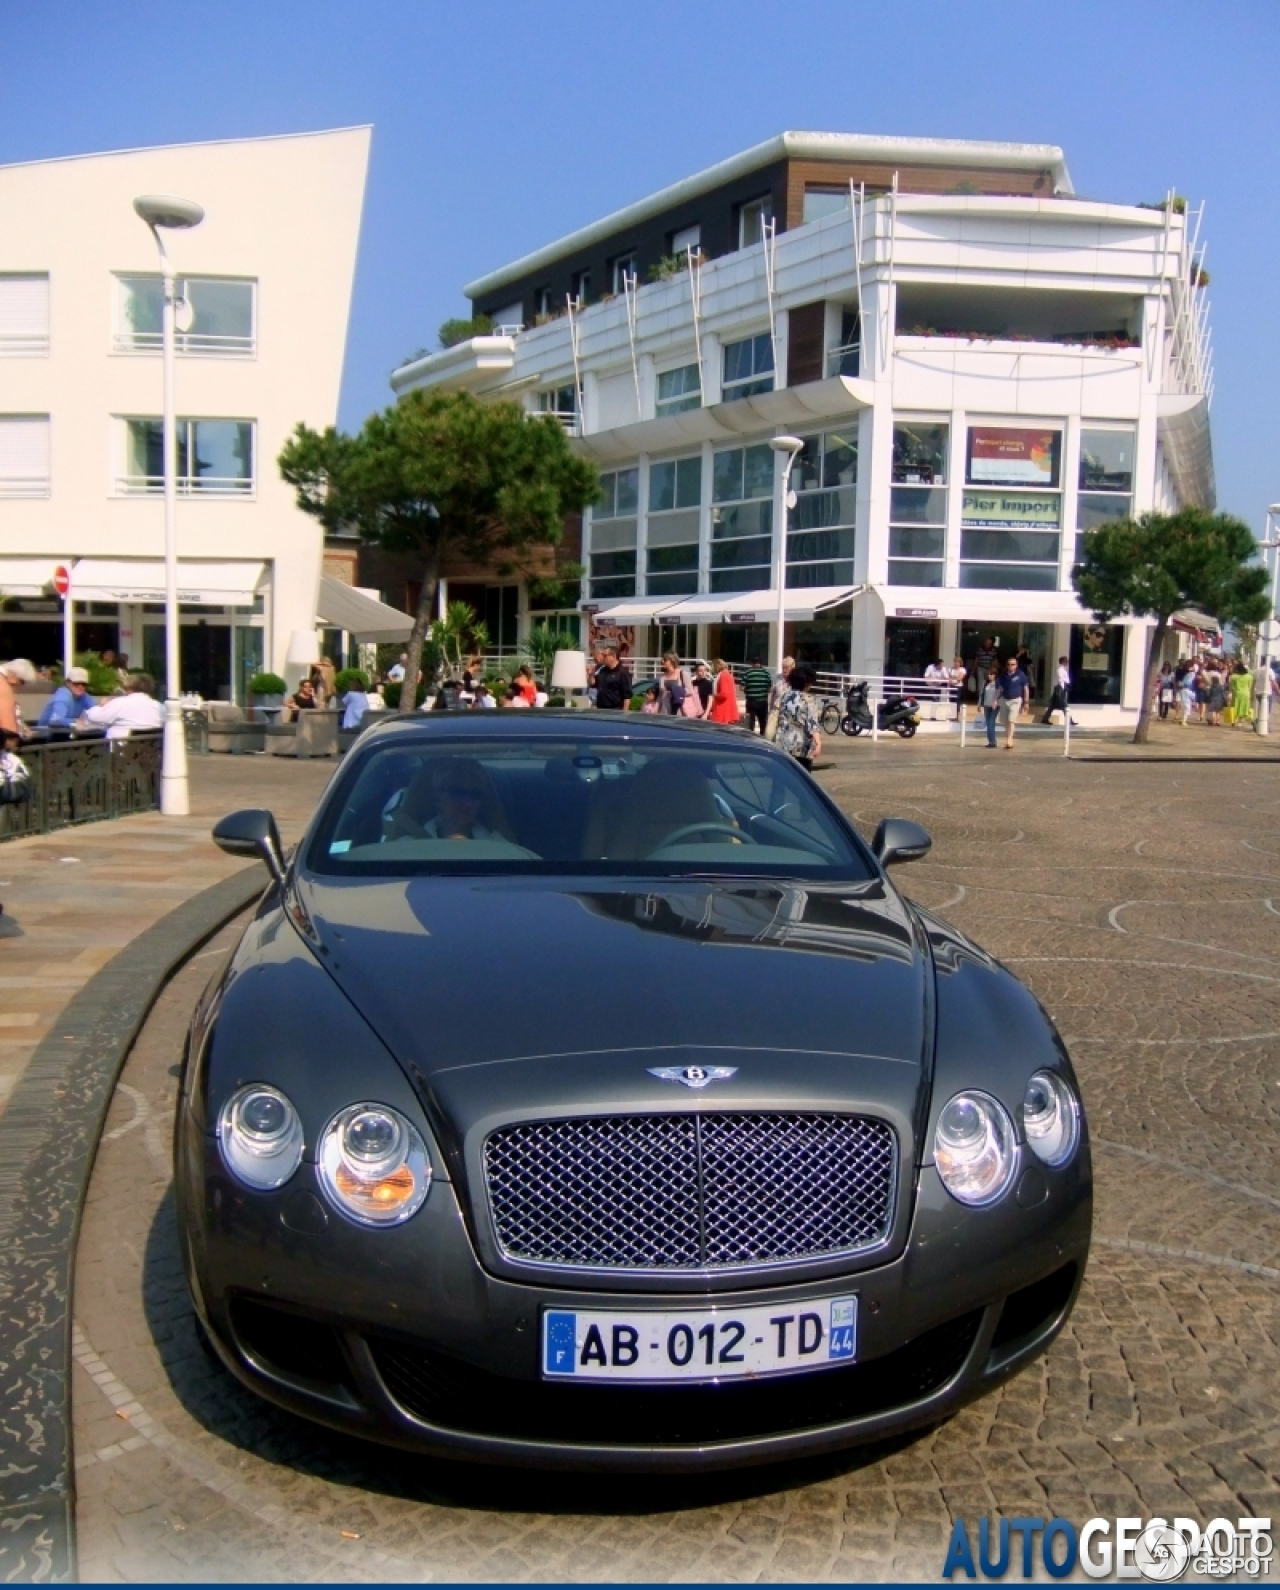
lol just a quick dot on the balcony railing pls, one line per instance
(845, 360)
(196, 342)
(24, 485)
(188, 486)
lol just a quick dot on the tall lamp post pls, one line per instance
(1262, 724)
(167, 214)
(791, 447)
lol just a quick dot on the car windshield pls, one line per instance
(575, 806)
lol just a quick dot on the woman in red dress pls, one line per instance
(724, 700)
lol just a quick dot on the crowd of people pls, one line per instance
(1210, 690)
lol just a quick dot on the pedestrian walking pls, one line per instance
(652, 700)
(703, 685)
(799, 733)
(781, 683)
(990, 703)
(1241, 694)
(1187, 693)
(1215, 699)
(1166, 690)
(675, 685)
(757, 685)
(1015, 692)
(724, 700)
(1060, 699)
(612, 682)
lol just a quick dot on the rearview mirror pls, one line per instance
(252, 833)
(899, 840)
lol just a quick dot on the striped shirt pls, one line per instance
(757, 683)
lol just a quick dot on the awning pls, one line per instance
(363, 617)
(733, 607)
(987, 607)
(1193, 622)
(794, 406)
(199, 584)
(27, 576)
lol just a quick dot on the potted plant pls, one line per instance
(267, 692)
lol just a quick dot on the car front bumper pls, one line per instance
(402, 1337)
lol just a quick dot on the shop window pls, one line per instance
(612, 535)
(1106, 476)
(820, 528)
(748, 368)
(1011, 513)
(1097, 654)
(742, 519)
(918, 504)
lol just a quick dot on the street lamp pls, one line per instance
(161, 214)
(1262, 724)
(791, 446)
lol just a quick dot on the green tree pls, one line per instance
(442, 471)
(540, 649)
(1151, 566)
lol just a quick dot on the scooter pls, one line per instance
(899, 713)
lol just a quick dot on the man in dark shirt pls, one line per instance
(613, 683)
(1015, 693)
(757, 683)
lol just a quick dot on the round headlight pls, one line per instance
(260, 1136)
(1050, 1118)
(373, 1165)
(974, 1149)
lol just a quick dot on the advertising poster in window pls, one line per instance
(1011, 510)
(999, 456)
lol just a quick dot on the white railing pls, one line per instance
(508, 329)
(24, 485)
(188, 486)
(845, 360)
(184, 342)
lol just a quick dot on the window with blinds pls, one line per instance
(24, 314)
(24, 455)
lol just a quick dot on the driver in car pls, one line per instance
(463, 795)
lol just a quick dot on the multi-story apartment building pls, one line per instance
(267, 277)
(980, 365)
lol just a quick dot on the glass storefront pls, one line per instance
(1097, 657)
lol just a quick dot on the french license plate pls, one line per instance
(698, 1344)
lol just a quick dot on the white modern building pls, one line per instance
(268, 278)
(980, 363)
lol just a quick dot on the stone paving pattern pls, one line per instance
(75, 898)
(1142, 904)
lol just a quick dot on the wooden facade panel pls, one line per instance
(805, 326)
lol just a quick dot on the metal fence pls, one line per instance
(84, 781)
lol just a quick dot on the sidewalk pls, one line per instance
(1169, 742)
(74, 899)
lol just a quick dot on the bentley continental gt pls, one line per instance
(583, 1092)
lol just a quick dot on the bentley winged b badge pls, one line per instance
(693, 1076)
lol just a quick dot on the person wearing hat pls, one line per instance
(67, 702)
(17, 673)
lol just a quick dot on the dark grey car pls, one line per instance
(583, 1093)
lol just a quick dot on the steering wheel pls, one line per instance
(675, 837)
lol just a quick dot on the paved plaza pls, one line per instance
(1142, 904)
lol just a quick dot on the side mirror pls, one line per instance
(898, 840)
(252, 833)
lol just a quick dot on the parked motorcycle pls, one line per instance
(899, 713)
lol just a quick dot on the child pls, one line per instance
(653, 699)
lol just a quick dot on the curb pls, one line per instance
(48, 1139)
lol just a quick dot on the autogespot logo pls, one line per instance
(1122, 1548)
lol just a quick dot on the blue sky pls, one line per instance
(500, 126)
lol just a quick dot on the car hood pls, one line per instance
(507, 998)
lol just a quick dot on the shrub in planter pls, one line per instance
(350, 679)
(102, 679)
(262, 685)
(391, 693)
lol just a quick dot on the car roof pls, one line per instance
(551, 723)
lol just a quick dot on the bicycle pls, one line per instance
(829, 717)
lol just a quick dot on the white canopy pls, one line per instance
(27, 576)
(363, 616)
(138, 580)
(733, 607)
(986, 607)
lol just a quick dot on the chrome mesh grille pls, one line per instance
(690, 1191)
